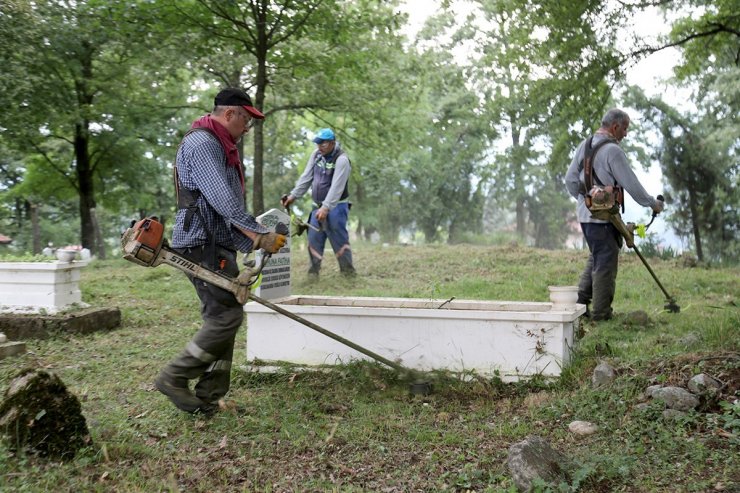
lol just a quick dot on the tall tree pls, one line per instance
(703, 181)
(544, 68)
(301, 56)
(86, 99)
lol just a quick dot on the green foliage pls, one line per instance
(89, 137)
(26, 257)
(730, 417)
(702, 178)
(650, 247)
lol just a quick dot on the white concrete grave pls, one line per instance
(515, 339)
(276, 273)
(40, 287)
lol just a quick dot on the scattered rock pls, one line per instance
(676, 398)
(642, 406)
(639, 318)
(39, 414)
(650, 390)
(689, 340)
(534, 458)
(702, 383)
(673, 414)
(603, 374)
(582, 428)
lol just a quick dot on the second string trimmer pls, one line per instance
(627, 232)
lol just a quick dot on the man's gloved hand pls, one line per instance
(286, 200)
(270, 242)
(659, 205)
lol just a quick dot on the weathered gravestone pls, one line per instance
(276, 273)
(40, 415)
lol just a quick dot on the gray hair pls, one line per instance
(613, 116)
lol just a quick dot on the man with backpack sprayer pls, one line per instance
(597, 177)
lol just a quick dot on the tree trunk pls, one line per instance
(518, 178)
(520, 223)
(695, 226)
(35, 229)
(258, 199)
(98, 234)
(83, 165)
(86, 188)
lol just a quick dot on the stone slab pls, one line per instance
(515, 340)
(34, 326)
(276, 273)
(13, 348)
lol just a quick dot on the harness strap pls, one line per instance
(589, 176)
(188, 199)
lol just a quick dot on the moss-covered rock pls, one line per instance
(40, 415)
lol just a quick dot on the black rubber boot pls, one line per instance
(604, 286)
(348, 271)
(584, 285)
(215, 382)
(313, 271)
(172, 381)
(345, 265)
(178, 392)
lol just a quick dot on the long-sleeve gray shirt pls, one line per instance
(611, 167)
(342, 172)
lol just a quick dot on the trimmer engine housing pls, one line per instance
(142, 242)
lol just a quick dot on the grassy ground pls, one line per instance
(357, 429)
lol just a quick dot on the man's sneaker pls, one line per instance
(180, 396)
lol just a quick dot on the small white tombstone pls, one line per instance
(276, 273)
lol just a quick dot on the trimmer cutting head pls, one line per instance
(672, 307)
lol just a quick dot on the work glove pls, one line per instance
(270, 242)
(286, 200)
(659, 206)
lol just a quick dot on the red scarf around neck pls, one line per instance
(227, 142)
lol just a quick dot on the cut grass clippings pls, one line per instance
(356, 428)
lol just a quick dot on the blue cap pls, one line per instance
(323, 134)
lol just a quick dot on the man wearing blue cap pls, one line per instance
(327, 174)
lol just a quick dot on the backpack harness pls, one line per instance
(188, 199)
(598, 197)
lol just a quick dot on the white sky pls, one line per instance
(649, 74)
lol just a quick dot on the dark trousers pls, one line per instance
(209, 353)
(599, 278)
(334, 227)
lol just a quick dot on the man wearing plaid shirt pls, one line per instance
(211, 225)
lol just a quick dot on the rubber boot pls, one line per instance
(172, 381)
(345, 265)
(585, 290)
(215, 382)
(313, 271)
(604, 286)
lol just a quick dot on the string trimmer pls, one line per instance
(144, 244)
(300, 225)
(627, 231)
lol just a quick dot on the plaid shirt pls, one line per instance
(201, 165)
